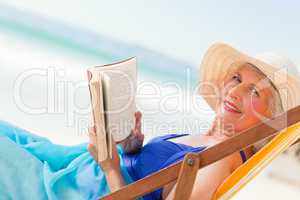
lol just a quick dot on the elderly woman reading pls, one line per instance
(246, 92)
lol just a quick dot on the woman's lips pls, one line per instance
(230, 107)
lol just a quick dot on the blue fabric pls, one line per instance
(243, 156)
(31, 167)
(158, 153)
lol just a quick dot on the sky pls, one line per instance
(184, 29)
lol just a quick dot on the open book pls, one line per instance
(112, 90)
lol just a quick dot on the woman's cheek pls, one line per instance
(226, 88)
(257, 107)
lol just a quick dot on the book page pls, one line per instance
(105, 82)
(120, 91)
(97, 99)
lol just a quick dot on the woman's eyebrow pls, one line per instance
(262, 86)
(253, 85)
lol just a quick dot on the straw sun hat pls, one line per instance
(221, 58)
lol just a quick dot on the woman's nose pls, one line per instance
(236, 92)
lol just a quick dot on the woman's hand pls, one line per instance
(110, 164)
(130, 145)
(134, 142)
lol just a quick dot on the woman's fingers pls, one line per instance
(138, 121)
(92, 146)
(93, 151)
(114, 147)
(138, 116)
(115, 155)
(138, 126)
(92, 129)
(92, 135)
(137, 132)
(141, 136)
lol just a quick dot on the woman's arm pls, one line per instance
(110, 167)
(114, 179)
(208, 180)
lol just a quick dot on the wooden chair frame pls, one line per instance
(185, 171)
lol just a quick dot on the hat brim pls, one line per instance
(220, 58)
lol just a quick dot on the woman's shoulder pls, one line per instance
(232, 161)
(195, 140)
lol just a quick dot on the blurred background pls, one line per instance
(47, 46)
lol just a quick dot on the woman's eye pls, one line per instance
(254, 91)
(236, 77)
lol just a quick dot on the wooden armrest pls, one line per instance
(187, 176)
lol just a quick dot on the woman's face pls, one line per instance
(246, 99)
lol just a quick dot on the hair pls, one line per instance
(276, 109)
(275, 106)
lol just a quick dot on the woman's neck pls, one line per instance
(221, 131)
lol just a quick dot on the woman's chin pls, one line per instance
(228, 116)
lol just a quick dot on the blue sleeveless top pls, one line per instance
(157, 154)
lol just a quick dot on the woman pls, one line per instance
(240, 89)
(243, 91)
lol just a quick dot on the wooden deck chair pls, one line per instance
(246, 172)
(185, 171)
